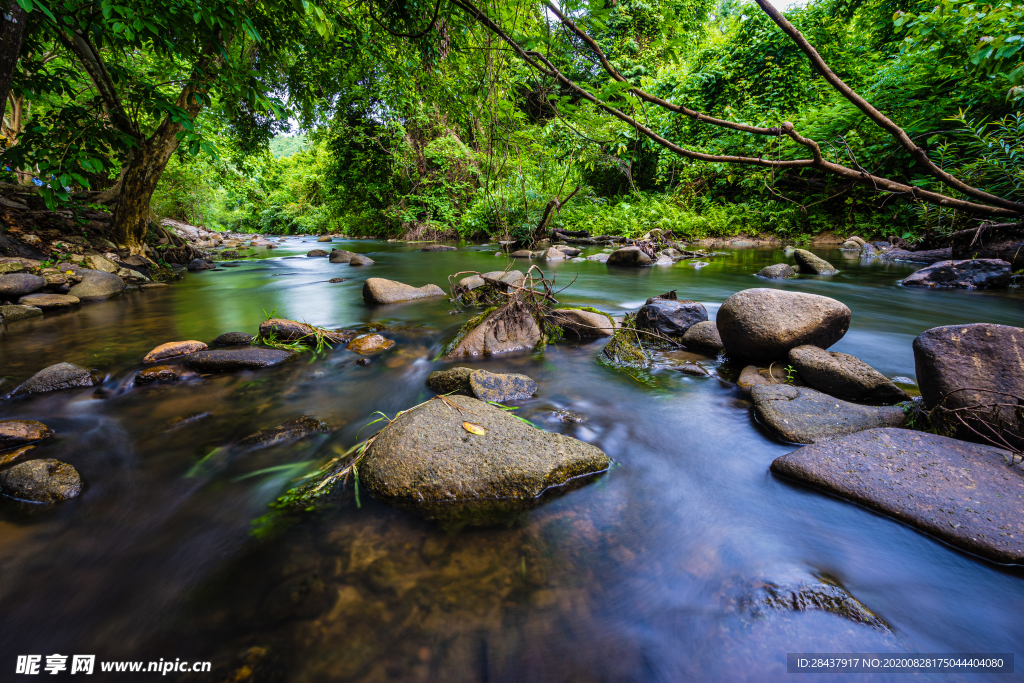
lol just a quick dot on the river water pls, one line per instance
(641, 575)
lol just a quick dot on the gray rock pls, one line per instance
(9, 314)
(803, 415)
(971, 369)
(843, 375)
(764, 324)
(17, 432)
(768, 597)
(197, 264)
(670, 317)
(324, 238)
(601, 258)
(16, 285)
(973, 274)
(454, 380)
(554, 254)
(577, 324)
(703, 335)
(491, 386)
(425, 458)
(227, 360)
(438, 247)
(813, 265)
(966, 494)
(97, 286)
(233, 339)
(316, 253)
(474, 281)
(568, 251)
(341, 256)
(377, 290)
(360, 260)
(41, 301)
(41, 481)
(629, 256)
(522, 253)
(510, 327)
(291, 430)
(776, 272)
(55, 377)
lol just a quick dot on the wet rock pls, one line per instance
(18, 432)
(55, 377)
(165, 373)
(155, 285)
(323, 238)
(227, 360)
(233, 339)
(859, 241)
(522, 253)
(41, 301)
(301, 597)
(843, 375)
(438, 247)
(629, 256)
(197, 264)
(554, 254)
(377, 290)
(288, 331)
(291, 430)
(9, 314)
(448, 381)
(971, 369)
(601, 258)
(969, 495)
(491, 386)
(809, 264)
(778, 271)
(578, 323)
(821, 595)
(764, 324)
(692, 369)
(229, 254)
(9, 456)
(803, 415)
(360, 260)
(172, 349)
(973, 274)
(568, 251)
(568, 416)
(370, 343)
(850, 245)
(41, 481)
(624, 348)
(335, 280)
(97, 286)
(16, 285)
(669, 317)
(510, 327)
(751, 376)
(425, 458)
(95, 262)
(703, 335)
(341, 256)
(474, 281)
(316, 253)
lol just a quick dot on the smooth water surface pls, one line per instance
(639, 576)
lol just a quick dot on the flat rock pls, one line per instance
(703, 335)
(55, 377)
(843, 375)
(16, 285)
(377, 290)
(426, 457)
(670, 317)
(97, 286)
(49, 300)
(809, 264)
(11, 267)
(764, 324)
(18, 432)
(172, 349)
(227, 360)
(291, 430)
(492, 386)
(578, 324)
(968, 495)
(155, 285)
(370, 343)
(165, 373)
(803, 415)
(314, 253)
(41, 481)
(283, 330)
(778, 271)
(630, 257)
(9, 314)
(972, 274)
(234, 339)
(438, 247)
(505, 329)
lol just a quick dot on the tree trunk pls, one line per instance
(130, 221)
(12, 34)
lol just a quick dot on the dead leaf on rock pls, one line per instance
(473, 429)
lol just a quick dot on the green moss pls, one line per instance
(624, 348)
(468, 327)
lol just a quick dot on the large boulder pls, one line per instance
(172, 349)
(341, 256)
(426, 458)
(810, 264)
(972, 369)
(578, 323)
(632, 257)
(777, 272)
(670, 317)
(55, 377)
(16, 285)
(973, 274)
(9, 314)
(41, 481)
(97, 286)
(764, 324)
(17, 432)
(843, 375)
(704, 336)
(965, 494)
(227, 360)
(377, 290)
(291, 430)
(510, 327)
(803, 415)
(282, 330)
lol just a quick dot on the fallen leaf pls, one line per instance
(473, 429)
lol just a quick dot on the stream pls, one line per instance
(640, 575)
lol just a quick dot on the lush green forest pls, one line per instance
(421, 119)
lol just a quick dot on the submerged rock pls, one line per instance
(425, 459)
(803, 415)
(172, 349)
(968, 495)
(507, 328)
(9, 314)
(288, 331)
(973, 274)
(227, 360)
(370, 343)
(55, 377)
(703, 335)
(578, 323)
(629, 256)
(625, 347)
(97, 286)
(42, 301)
(16, 285)
(18, 432)
(291, 430)
(165, 373)
(377, 290)
(234, 339)
(778, 271)
(764, 324)
(41, 481)
(438, 247)
(670, 317)
(486, 386)
(813, 265)
(843, 375)
(821, 595)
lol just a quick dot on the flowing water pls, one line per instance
(641, 575)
